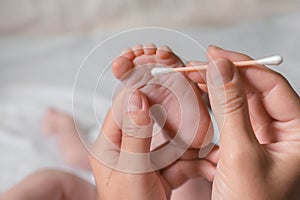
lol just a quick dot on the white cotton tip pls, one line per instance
(273, 60)
(161, 70)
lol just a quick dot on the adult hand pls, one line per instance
(258, 115)
(120, 157)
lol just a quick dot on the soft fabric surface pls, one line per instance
(38, 73)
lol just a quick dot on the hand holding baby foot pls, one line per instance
(121, 160)
(180, 100)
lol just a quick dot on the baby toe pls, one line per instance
(121, 66)
(164, 52)
(138, 50)
(149, 49)
(128, 53)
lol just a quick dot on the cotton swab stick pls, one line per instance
(272, 60)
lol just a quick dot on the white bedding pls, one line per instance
(38, 73)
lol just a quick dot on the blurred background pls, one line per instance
(31, 17)
(43, 43)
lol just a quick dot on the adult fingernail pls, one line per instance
(214, 46)
(135, 102)
(220, 72)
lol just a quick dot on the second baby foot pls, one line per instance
(61, 125)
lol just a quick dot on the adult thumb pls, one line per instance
(229, 104)
(137, 124)
(136, 135)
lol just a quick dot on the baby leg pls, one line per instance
(50, 185)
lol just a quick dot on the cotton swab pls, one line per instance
(272, 60)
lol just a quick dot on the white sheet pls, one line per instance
(38, 73)
(23, 146)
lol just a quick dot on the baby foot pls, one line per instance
(55, 122)
(175, 94)
(61, 125)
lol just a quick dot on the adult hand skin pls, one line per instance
(121, 173)
(258, 115)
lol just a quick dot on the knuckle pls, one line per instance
(139, 119)
(234, 103)
(234, 100)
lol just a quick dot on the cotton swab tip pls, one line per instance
(272, 60)
(161, 70)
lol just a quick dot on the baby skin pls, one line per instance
(179, 100)
(176, 97)
(61, 126)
